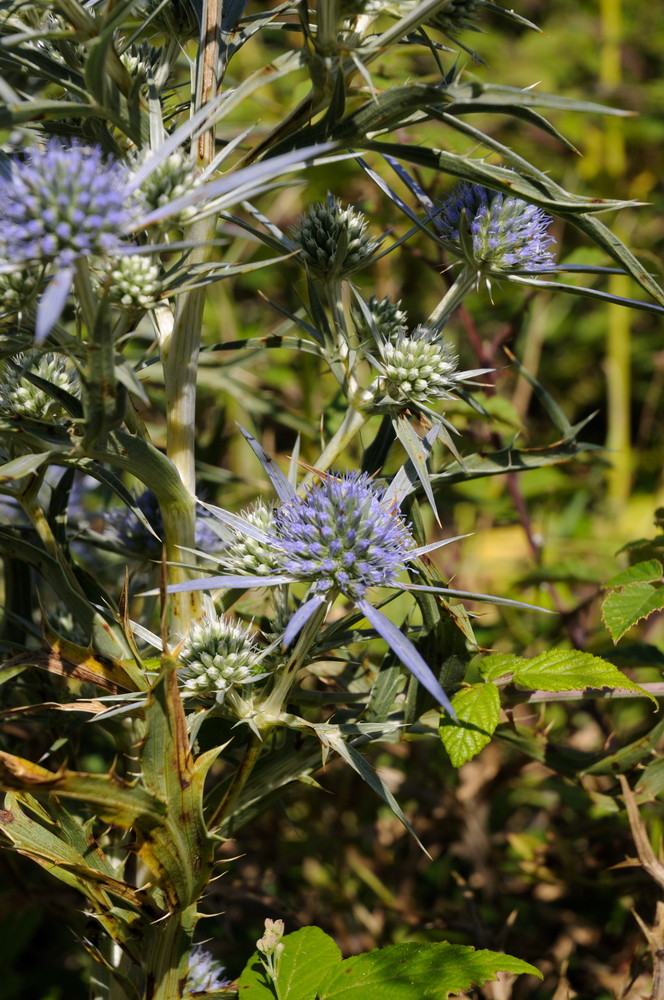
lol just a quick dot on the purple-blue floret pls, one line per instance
(506, 233)
(342, 535)
(63, 202)
(124, 529)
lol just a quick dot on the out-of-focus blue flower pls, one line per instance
(495, 232)
(63, 202)
(123, 529)
(205, 973)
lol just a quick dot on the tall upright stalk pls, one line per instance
(180, 350)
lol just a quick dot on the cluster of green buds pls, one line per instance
(388, 320)
(218, 654)
(141, 59)
(18, 289)
(172, 179)
(134, 282)
(21, 397)
(416, 366)
(249, 555)
(333, 240)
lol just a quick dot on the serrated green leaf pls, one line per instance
(571, 670)
(498, 664)
(641, 572)
(624, 608)
(558, 670)
(416, 972)
(477, 709)
(307, 957)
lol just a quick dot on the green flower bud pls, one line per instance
(18, 396)
(134, 282)
(217, 654)
(417, 366)
(333, 240)
(388, 316)
(248, 556)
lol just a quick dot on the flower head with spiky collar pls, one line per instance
(495, 232)
(64, 202)
(343, 535)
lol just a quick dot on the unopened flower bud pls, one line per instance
(333, 240)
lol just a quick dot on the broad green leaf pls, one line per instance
(497, 665)
(477, 709)
(570, 670)
(642, 572)
(624, 608)
(307, 957)
(559, 670)
(416, 972)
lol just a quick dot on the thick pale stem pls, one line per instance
(456, 293)
(353, 421)
(179, 355)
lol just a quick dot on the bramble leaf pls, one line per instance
(477, 709)
(624, 608)
(559, 670)
(311, 966)
(416, 972)
(308, 955)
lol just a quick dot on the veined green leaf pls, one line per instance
(560, 670)
(648, 571)
(417, 972)
(624, 608)
(307, 956)
(477, 709)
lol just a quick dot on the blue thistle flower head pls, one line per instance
(205, 973)
(124, 529)
(63, 202)
(495, 232)
(342, 535)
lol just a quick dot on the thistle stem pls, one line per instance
(249, 761)
(353, 421)
(465, 281)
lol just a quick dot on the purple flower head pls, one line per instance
(205, 973)
(123, 528)
(495, 232)
(63, 202)
(342, 535)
